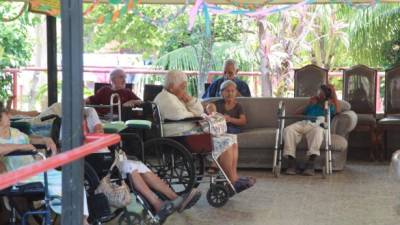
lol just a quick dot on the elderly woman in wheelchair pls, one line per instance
(144, 180)
(12, 140)
(176, 104)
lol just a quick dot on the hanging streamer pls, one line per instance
(193, 13)
(207, 20)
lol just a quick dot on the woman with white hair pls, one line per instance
(103, 95)
(232, 110)
(175, 104)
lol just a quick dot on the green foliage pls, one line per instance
(185, 58)
(374, 35)
(15, 48)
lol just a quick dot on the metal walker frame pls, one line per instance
(327, 169)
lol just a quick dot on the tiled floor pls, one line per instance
(363, 194)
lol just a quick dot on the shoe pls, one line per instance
(189, 200)
(309, 171)
(291, 170)
(166, 210)
(243, 184)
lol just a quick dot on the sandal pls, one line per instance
(241, 185)
(250, 179)
(166, 210)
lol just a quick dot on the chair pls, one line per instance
(151, 91)
(391, 119)
(359, 89)
(97, 86)
(308, 79)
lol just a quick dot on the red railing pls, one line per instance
(98, 141)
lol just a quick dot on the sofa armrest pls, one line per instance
(343, 123)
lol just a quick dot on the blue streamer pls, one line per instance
(207, 19)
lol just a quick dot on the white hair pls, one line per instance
(230, 62)
(226, 84)
(174, 78)
(116, 72)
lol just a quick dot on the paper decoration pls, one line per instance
(257, 14)
(48, 7)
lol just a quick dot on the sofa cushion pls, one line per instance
(257, 138)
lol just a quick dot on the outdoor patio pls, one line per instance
(364, 193)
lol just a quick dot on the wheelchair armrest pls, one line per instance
(189, 119)
(20, 152)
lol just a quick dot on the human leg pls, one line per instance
(314, 137)
(292, 136)
(226, 162)
(141, 186)
(154, 182)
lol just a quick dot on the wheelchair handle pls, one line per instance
(49, 117)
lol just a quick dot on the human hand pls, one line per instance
(227, 118)
(50, 145)
(185, 97)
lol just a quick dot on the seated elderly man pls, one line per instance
(175, 104)
(230, 72)
(102, 96)
(310, 128)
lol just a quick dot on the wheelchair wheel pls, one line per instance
(172, 162)
(91, 180)
(217, 195)
(128, 218)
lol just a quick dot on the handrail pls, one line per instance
(97, 142)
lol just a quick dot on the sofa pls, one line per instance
(257, 139)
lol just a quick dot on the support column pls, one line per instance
(72, 98)
(51, 24)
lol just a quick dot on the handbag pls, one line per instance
(118, 196)
(214, 124)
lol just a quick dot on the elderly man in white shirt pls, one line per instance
(175, 104)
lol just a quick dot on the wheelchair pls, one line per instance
(279, 142)
(34, 196)
(180, 161)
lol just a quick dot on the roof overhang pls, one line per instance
(257, 2)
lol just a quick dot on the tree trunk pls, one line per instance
(265, 66)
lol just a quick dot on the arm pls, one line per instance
(244, 90)
(133, 101)
(39, 140)
(241, 121)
